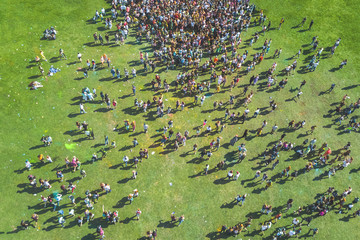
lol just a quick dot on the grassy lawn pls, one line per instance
(172, 181)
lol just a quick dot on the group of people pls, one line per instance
(181, 34)
(50, 33)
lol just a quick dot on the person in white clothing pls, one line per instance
(79, 57)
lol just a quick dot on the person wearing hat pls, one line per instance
(236, 177)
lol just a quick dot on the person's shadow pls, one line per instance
(334, 69)
(229, 205)
(167, 224)
(223, 180)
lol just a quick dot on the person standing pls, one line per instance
(138, 213)
(146, 128)
(331, 88)
(298, 95)
(61, 221)
(314, 39)
(274, 128)
(206, 169)
(101, 39)
(303, 21)
(79, 56)
(43, 56)
(243, 199)
(311, 23)
(95, 38)
(135, 142)
(114, 103)
(298, 53)
(82, 108)
(281, 22)
(134, 89)
(35, 218)
(236, 177)
(342, 64)
(125, 160)
(93, 64)
(154, 234)
(133, 124)
(302, 84)
(62, 54)
(107, 38)
(181, 219)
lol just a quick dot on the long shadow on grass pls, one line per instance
(90, 236)
(16, 230)
(167, 224)
(72, 115)
(82, 139)
(73, 132)
(131, 111)
(196, 160)
(229, 205)
(121, 203)
(37, 146)
(20, 171)
(125, 180)
(127, 220)
(350, 87)
(334, 69)
(223, 180)
(104, 110)
(218, 235)
(354, 170)
(97, 145)
(28, 189)
(49, 228)
(34, 77)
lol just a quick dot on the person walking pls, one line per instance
(138, 213)
(82, 108)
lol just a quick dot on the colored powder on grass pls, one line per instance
(70, 146)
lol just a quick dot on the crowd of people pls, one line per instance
(200, 38)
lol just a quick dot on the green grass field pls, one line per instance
(170, 181)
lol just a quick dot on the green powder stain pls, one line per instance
(70, 146)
